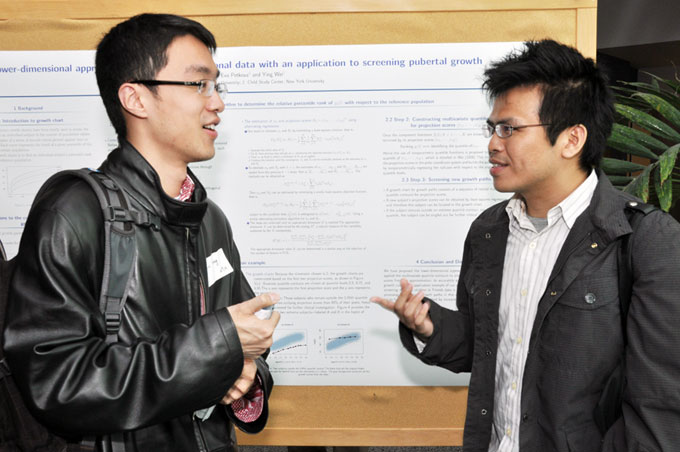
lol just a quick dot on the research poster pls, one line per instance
(341, 169)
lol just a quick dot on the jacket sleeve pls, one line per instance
(74, 381)
(450, 345)
(258, 424)
(651, 403)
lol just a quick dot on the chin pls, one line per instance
(502, 188)
(207, 155)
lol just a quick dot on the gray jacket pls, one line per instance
(574, 345)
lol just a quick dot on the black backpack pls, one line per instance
(19, 430)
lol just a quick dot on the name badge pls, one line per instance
(218, 266)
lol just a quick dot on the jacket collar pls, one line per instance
(606, 212)
(138, 178)
(607, 209)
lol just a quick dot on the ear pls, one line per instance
(575, 138)
(132, 99)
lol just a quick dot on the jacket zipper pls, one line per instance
(189, 296)
(198, 433)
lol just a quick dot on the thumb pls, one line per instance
(261, 301)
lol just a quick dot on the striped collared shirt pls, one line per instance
(529, 259)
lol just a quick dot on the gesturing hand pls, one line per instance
(255, 334)
(410, 309)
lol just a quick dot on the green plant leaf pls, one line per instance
(616, 166)
(674, 85)
(648, 122)
(664, 190)
(639, 186)
(664, 108)
(642, 85)
(675, 88)
(619, 181)
(623, 143)
(624, 96)
(653, 88)
(667, 162)
(655, 84)
(643, 138)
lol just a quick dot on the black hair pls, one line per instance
(136, 50)
(575, 91)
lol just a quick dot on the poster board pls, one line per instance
(327, 415)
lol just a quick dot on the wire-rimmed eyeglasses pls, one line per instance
(206, 87)
(504, 130)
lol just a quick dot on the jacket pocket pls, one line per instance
(591, 293)
(581, 335)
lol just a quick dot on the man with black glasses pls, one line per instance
(188, 359)
(541, 322)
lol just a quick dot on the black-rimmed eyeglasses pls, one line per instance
(504, 130)
(205, 87)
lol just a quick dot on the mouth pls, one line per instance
(496, 167)
(211, 129)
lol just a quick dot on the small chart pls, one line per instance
(343, 342)
(290, 342)
(26, 180)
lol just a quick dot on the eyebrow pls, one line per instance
(500, 121)
(201, 70)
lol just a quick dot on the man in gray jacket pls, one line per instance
(189, 357)
(539, 320)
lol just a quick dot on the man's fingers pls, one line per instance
(412, 306)
(423, 325)
(276, 316)
(234, 394)
(261, 301)
(421, 315)
(385, 303)
(404, 296)
(403, 282)
(242, 385)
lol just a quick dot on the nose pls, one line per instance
(215, 102)
(495, 144)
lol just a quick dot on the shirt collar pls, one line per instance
(186, 190)
(577, 202)
(570, 208)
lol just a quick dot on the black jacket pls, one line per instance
(575, 345)
(170, 360)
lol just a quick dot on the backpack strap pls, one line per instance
(635, 211)
(609, 407)
(120, 250)
(5, 272)
(120, 257)
(120, 246)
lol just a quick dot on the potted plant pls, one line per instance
(647, 131)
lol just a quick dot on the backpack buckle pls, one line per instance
(116, 213)
(112, 322)
(146, 219)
